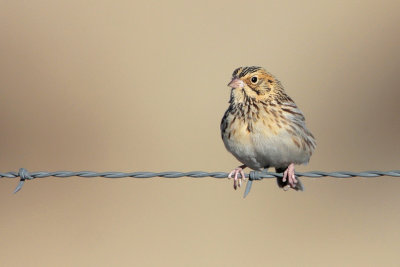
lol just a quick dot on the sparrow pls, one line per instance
(263, 127)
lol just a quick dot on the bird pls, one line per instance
(263, 127)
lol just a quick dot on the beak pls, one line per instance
(236, 83)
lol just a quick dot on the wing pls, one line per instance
(297, 125)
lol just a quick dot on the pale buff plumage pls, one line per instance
(263, 127)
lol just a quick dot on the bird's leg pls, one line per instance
(237, 181)
(290, 176)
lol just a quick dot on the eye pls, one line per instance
(254, 79)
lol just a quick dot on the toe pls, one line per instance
(235, 183)
(242, 174)
(285, 175)
(294, 178)
(236, 175)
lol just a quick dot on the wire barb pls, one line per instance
(23, 174)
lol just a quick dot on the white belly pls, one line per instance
(261, 148)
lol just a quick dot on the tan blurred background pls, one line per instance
(125, 86)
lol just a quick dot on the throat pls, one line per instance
(240, 97)
(246, 109)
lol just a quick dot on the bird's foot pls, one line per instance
(237, 181)
(290, 176)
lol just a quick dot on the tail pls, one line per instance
(282, 184)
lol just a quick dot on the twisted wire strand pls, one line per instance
(23, 174)
(253, 175)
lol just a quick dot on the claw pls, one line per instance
(237, 181)
(289, 175)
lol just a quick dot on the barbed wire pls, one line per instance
(23, 174)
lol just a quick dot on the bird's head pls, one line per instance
(254, 82)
